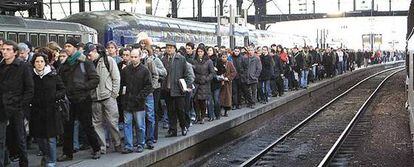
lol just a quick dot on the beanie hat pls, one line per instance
(73, 42)
(88, 48)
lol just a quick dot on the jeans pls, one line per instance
(3, 126)
(304, 78)
(76, 144)
(214, 104)
(340, 67)
(264, 90)
(150, 118)
(48, 148)
(314, 71)
(139, 117)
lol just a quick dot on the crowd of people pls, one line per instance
(118, 97)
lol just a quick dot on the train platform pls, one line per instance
(200, 139)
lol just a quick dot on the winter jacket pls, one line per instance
(226, 90)
(252, 68)
(176, 69)
(109, 80)
(299, 61)
(16, 88)
(278, 67)
(237, 64)
(220, 69)
(45, 120)
(267, 67)
(204, 73)
(79, 80)
(136, 86)
(162, 72)
(150, 65)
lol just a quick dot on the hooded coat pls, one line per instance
(45, 120)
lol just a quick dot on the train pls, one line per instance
(128, 28)
(409, 61)
(40, 32)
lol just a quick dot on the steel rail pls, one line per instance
(256, 157)
(331, 153)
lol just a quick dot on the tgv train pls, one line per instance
(127, 28)
(40, 32)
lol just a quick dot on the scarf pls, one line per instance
(72, 59)
(44, 72)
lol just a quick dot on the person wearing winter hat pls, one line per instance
(79, 77)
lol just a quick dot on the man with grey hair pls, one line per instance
(24, 51)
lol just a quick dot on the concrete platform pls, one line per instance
(176, 147)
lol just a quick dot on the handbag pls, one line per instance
(63, 106)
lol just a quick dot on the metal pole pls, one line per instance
(81, 5)
(313, 3)
(317, 36)
(354, 4)
(50, 7)
(110, 4)
(70, 7)
(218, 27)
(339, 5)
(289, 6)
(90, 5)
(174, 8)
(194, 9)
(148, 7)
(232, 20)
(200, 10)
(390, 5)
(117, 5)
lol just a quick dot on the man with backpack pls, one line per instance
(80, 78)
(104, 105)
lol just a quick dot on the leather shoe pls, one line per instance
(171, 134)
(64, 158)
(184, 131)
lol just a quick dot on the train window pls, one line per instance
(61, 40)
(53, 37)
(1, 34)
(69, 36)
(12, 36)
(22, 37)
(34, 40)
(42, 40)
(78, 38)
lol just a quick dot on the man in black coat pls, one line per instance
(136, 86)
(236, 84)
(79, 77)
(16, 92)
(174, 94)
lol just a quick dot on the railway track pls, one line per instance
(314, 141)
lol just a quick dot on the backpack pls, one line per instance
(106, 62)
